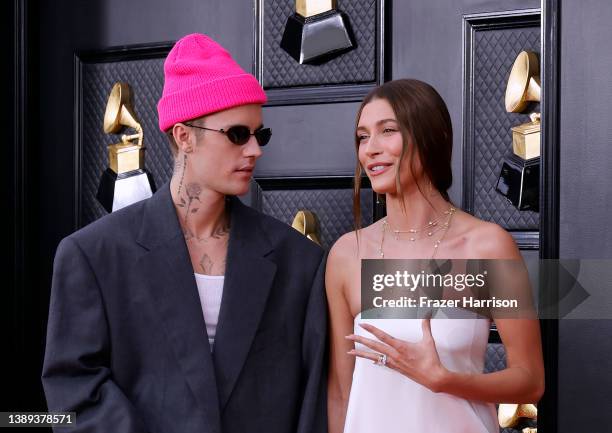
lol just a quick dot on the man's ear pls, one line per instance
(183, 138)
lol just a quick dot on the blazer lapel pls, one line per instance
(168, 274)
(248, 278)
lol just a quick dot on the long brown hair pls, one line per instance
(423, 121)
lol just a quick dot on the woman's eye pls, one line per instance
(389, 130)
(362, 138)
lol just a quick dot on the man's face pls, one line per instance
(214, 161)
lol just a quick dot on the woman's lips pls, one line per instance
(378, 169)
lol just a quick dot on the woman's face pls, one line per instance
(380, 147)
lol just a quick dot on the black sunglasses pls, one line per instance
(240, 134)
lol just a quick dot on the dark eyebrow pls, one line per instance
(380, 122)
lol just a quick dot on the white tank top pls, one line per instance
(210, 289)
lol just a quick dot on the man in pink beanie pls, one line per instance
(189, 311)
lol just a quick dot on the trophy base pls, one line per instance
(318, 38)
(519, 182)
(526, 140)
(119, 190)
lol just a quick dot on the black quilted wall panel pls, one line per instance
(333, 208)
(495, 357)
(145, 78)
(493, 53)
(356, 66)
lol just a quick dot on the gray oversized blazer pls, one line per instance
(127, 348)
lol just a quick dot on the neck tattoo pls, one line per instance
(184, 166)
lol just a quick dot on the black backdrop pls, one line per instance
(39, 179)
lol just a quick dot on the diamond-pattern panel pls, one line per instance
(333, 208)
(495, 358)
(494, 52)
(145, 78)
(355, 66)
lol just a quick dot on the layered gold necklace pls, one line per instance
(427, 231)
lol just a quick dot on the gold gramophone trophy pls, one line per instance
(511, 415)
(519, 180)
(125, 181)
(316, 32)
(306, 223)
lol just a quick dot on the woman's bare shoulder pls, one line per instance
(341, 256)
(352, 245)
(488, 240)
(345, 244)
(342, 275)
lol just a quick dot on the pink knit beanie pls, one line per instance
(202, 78)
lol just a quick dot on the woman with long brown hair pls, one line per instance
(409, 375)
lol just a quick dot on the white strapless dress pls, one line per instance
(383, 400)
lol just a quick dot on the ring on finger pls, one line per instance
(382, 360)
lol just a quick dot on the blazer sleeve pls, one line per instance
(313, 413)
(76, 375)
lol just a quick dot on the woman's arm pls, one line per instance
(341, 365)
(522, 381)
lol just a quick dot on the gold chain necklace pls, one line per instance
(444, 229)
(413, 237)
(430, 227)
